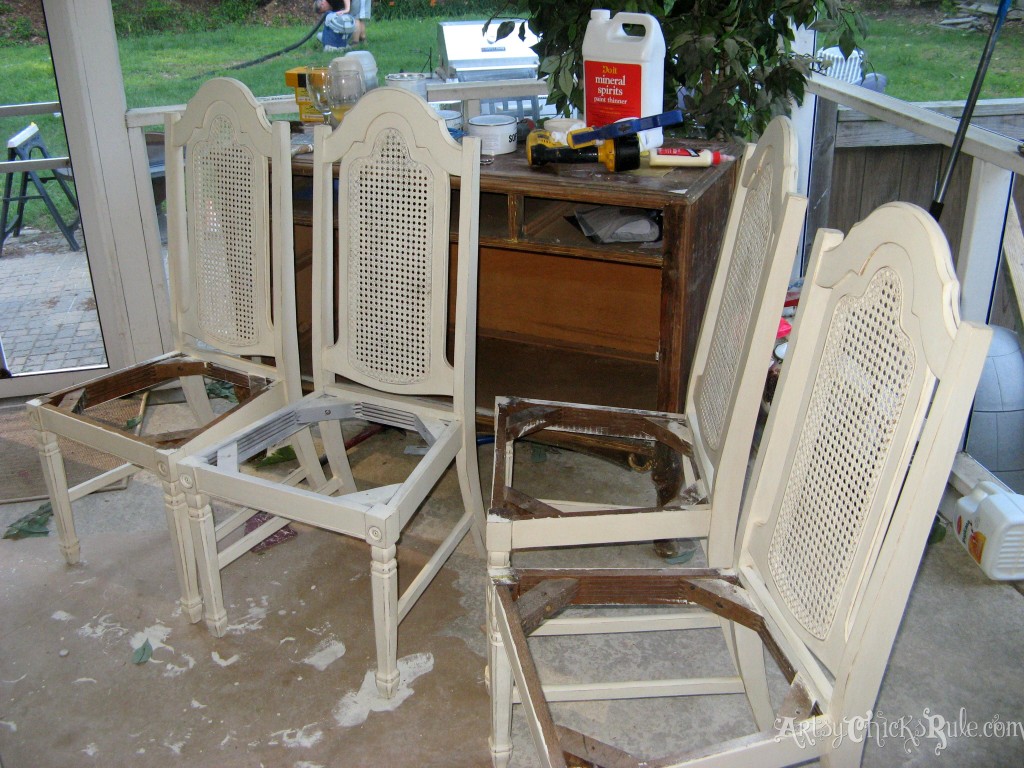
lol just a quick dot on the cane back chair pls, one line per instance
(230, 264)
(379, 352)
(707, 447)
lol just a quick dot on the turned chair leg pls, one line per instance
(499, 677)
(204, 541)
(184, 553)
(57, 486)
(384, 582)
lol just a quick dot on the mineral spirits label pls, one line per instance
(613, 91)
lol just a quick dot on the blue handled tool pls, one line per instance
(583, 137)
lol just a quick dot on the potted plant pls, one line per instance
(729, 63)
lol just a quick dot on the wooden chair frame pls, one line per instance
(396, 156)
(702, 454)
(227, 221)
(824, 565)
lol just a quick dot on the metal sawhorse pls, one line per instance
(21, 146)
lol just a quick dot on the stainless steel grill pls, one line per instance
(469, 55)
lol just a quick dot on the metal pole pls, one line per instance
(972, 100)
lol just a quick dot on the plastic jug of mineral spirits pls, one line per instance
(623, 73)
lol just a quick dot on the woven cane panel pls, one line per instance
(224, 226)
(390, 260)
(859, 394)
(739, 304)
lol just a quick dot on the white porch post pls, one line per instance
(981, 239)
(128, 277)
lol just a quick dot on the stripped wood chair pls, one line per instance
(379, 353)
(709, 445)
(230, 264)
(865, 423)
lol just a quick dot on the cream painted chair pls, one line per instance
(384, 362)
(709, 445)
(230, 264)
(860, 440)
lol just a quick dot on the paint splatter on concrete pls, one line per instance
(9, 724)
(356, 706)
(61, 616)
(223, 662)
(104, 625)
(327, 651)
(173, 670)
(176, 746)
(297, 737)
(306, 764)
(157, 636)
(253, 619)
(86, 680)
(91, 749)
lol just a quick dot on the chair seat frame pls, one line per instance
(223, 117)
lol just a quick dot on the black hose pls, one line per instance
(269, 56)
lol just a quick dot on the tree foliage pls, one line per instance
(730, 63)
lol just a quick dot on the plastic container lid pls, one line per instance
(492, 120)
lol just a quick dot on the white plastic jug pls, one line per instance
(623, 74)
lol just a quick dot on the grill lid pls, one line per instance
(468, 54)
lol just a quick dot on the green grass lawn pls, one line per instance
(922, 62)
(928, 63)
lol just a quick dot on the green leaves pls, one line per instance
(33, 524)
(143, 653)
(217, 388)
(733, 57)
(280, 456)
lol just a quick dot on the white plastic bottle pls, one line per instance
(623, 74)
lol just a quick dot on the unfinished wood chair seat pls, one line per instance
(701, 455)
(866, 421)
(381, 325)
(230, 264)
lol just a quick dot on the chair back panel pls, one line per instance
(861, 393)
(860, 440)
(219, 218)
(391, 282)
(743, 313)
(392, 297)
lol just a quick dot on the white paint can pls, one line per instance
(452, 118)
(410, 81)
(497, 133)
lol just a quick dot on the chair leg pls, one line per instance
(309, 460)
(194, 389)
(57, 485)
(384, 582)
(184, 552)
(499, 676)
(750, 662)
(204, 541)
(337, 456)
(469, 479)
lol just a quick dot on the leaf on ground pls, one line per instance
(280, 456)
(33, 524)
(938, 532)
(216, 388)
(143, 653)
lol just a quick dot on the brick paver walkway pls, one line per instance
(48, 317)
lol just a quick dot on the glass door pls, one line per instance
(50, 330)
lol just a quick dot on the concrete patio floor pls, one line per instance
(48, 318)
(290, 683)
